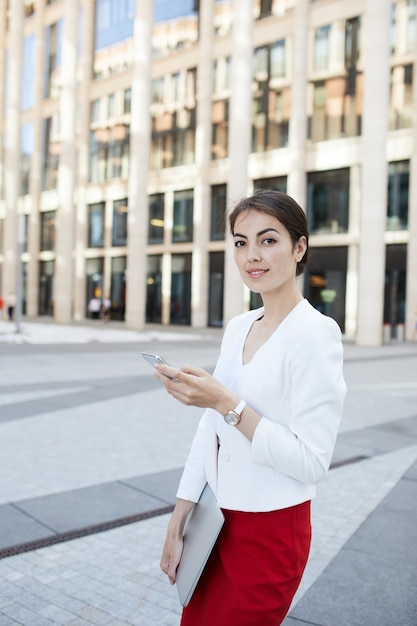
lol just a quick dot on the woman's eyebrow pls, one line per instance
(261, 232)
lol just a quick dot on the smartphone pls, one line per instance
(154, 359)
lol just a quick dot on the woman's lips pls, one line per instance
(256, 273)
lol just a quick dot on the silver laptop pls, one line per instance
(200, 533)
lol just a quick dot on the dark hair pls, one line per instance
(283, 208)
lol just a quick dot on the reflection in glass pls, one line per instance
(154, 289)
(53, 59)
(328, 201)
(51, 149)
(96, 225)
(47, 241)
(175, 26)
(26, 151)
(401, 97)
(398, 195)
(216, 288)
(28, 73)
(218, 212)
(119, 231)
(46, 288)
(271, 98)
(156, 218)
(182, 229)
(118, 288)
(180, 309)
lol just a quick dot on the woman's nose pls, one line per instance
(253, 253)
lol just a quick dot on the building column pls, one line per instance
(296, 181)
(3, 35)
(63, 280)
(32, 294)
(374, 173)
(12, 151)
(351, 298)
(140, 131)
(81, 226)
(411, 280)
(200, 264)
(239, 145)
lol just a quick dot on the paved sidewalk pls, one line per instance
(82, 455)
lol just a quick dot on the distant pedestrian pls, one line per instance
(94, 308)
(1, 307)
(106, 309)
(11, 305)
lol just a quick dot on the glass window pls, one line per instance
(53, 59)
(271, 107)
(157, 90)
(223, 17)
(47, 230)
(180, 312)
(398, 195)
(175, 25)
(26, 151)
(322, 48)
(127, 100)
(95, 109)
(96, 225)
(114, 21)
(401, 97)
(218, 212)
(183, 216)
(154, 289)
(278, 183)
(46, 288)
(28, 73)
(29, 8)
(94, 284)
(278, 62)
(411, 25)
(216, 287)
(395, 286)
(328, 201)
(325, 281)
(51, 148)
(118, 288)
(156, 218)
(119, 233)
(109, 153)
(265, 8)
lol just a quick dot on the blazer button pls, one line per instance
(225, 457)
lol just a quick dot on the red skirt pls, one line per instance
(254, 570)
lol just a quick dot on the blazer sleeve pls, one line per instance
(302, 443)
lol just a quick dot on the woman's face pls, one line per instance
(264, 252)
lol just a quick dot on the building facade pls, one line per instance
(131, 127)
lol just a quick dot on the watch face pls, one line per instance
(231, 418)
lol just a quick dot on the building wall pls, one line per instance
(132, 131)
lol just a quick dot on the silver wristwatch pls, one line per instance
(233, 417)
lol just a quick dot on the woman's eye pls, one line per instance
(269, 241)
(239, 244)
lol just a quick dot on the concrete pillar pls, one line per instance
(296, 181)
(3, 9)
(411, 280)
(32, 288)
(200, 265)
(12, 151)
(63, 280)
(239, 146)
(374, 172)
(351, 299)
(140, 131)
(83, 107)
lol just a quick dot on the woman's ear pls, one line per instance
(301, 247)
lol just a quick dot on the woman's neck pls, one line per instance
(276, 309)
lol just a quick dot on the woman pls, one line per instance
(273, 407)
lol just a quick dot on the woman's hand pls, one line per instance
(171, 556)
(195, 387)
(171, 553)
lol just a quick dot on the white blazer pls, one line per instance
(295, 381)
